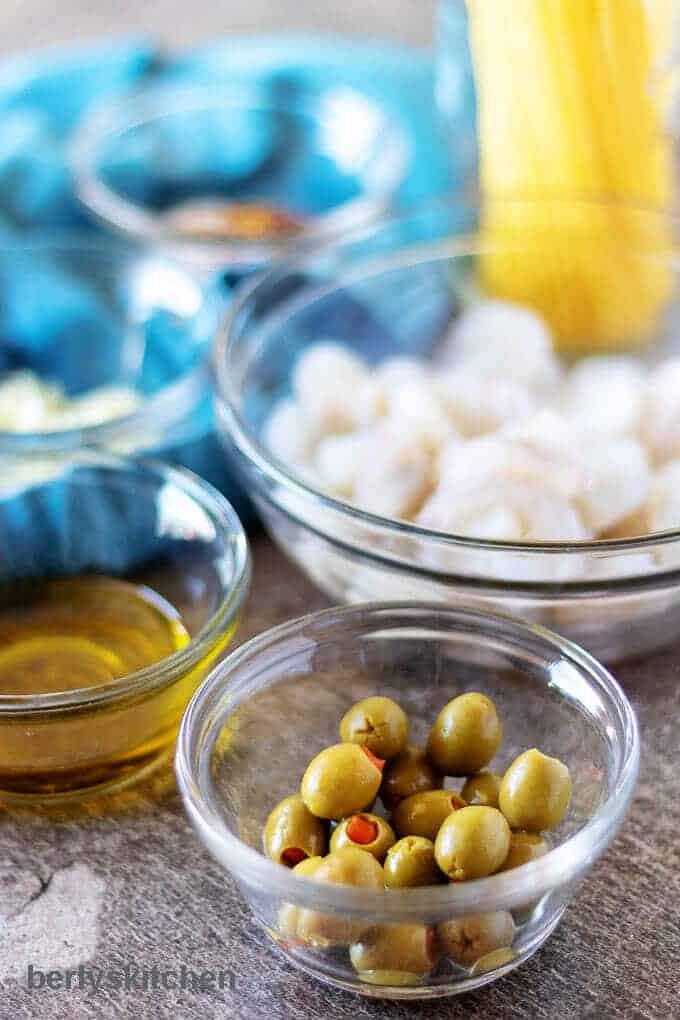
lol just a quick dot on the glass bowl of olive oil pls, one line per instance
(121, 584)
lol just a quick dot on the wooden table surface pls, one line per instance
(126, 881)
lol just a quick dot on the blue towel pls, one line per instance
(45, 312)
(206, 149)
(68, 525)
(42, 99)
(64, 84)
(47, 319)
(400, 79)
(44, 96)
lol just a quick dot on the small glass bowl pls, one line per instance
(330, 158)
(82, 313)
(93, 513)
(265, 711)
(392, 289)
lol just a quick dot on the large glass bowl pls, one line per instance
(393, 289)
(265, 711)
(95, 514)
(330, 157)
(82, 313)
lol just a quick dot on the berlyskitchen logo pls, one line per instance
(132, 977)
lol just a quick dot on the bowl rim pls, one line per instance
(148, 102)
(168, 670)
(459, 244)
(163, 409)
(562, 864)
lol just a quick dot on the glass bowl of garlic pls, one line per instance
(473, 403)
(103, 343)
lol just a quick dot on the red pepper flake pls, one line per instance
(247, 221)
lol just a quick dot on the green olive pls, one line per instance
(368, 832)
(524, 847)
(309, 867)
(423, 813)
(492, 961)
(410, 772)
(289, 913)
(377, 723)
(288, 920)
(401, 948)
(468, 939)
(342, 780)
(482, 788)
(351, 865)
(292, 833)
(472, 843)
(410, 862)
(466, 735)
(535, 792)
(347, 866)
(398, 978)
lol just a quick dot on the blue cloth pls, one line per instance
(68, 525)
(44, 96)
(51, 312)
(44, 312)
(400, 79)
(48, 317)
(42, 99)
(62, 85)
(35, 183)
(206, 149)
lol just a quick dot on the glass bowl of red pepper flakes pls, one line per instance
(229, 176)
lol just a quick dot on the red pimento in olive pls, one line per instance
(361, 829)
(292, 856)
(365, 831)
(378, 762)
(292, 833)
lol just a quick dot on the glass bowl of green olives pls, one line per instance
(408, 794)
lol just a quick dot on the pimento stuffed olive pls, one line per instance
(342, 780)
(465, 736)
(410, 862)
(377, 723)
(292, 833)
(369, 832)
(410, 772)
(423, 813)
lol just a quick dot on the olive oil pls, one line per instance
(66, 635)
(74, 640)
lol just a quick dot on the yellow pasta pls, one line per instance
(567, 110)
